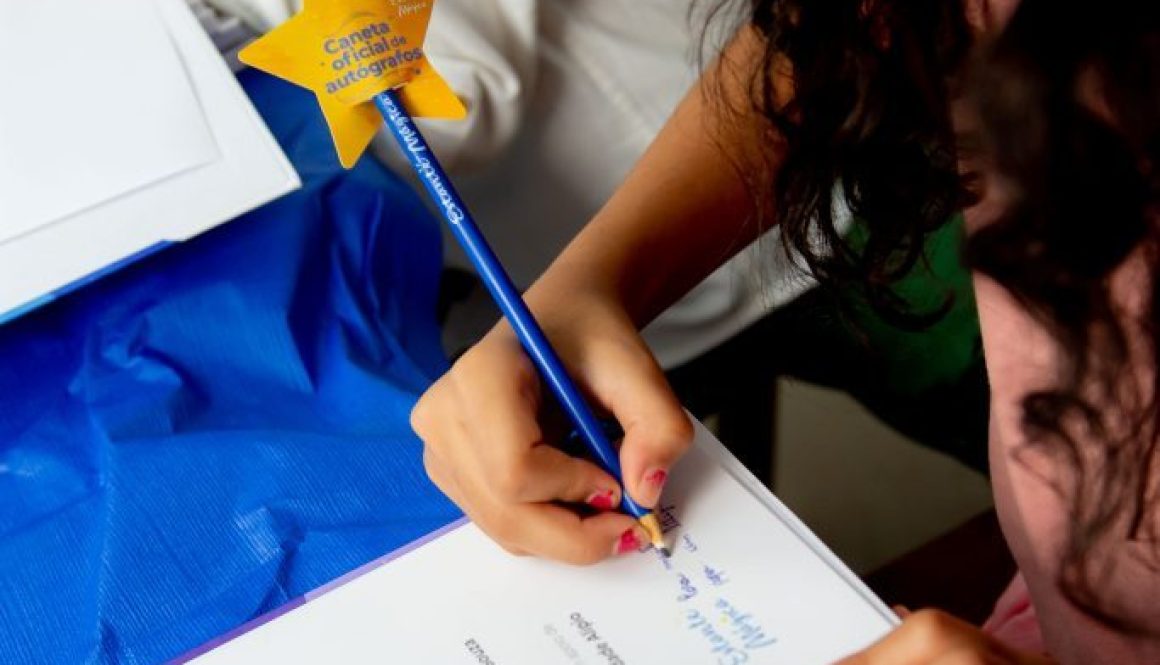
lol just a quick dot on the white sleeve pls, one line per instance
(260, 15)
(486, 49)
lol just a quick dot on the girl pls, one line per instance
(821, 106)
(1063, 123)
(545, 81)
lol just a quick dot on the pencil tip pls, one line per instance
(656, 535)
(666, 552)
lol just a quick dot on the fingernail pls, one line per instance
(628, 542)
(654, 482)
(602, 500)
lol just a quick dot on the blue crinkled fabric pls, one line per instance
(220, 428)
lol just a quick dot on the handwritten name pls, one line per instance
(732, 636)
(719, 644)
(715, 577)
(668, 518)
(744, 626)
(688, 591)
(687, 543)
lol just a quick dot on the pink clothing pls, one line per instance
(1032, 495)
(1014, 621)
(1034, 489)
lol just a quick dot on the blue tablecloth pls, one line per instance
(222, 427)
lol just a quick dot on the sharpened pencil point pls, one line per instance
(657, 537)
(666, 552)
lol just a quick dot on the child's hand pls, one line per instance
(488, 452)
(930, 637)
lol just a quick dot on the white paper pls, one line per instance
(249, 171)
(96, 104)
(747, 584)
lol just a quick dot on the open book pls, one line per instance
(747, 583)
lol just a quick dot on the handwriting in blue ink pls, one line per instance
(688, 591)
(716, 577)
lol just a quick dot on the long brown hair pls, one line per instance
(873, 86)
(868, 118)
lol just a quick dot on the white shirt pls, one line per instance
(564, 96)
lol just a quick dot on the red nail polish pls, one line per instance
(628, 542)
(601, 500)
(657, 477)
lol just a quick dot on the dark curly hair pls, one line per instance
(869, 118)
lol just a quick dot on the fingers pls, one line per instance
(485, 446)
(499, 440)
(542, 529)
(657, 431)
(930, 637)
(494, 397)
(648, 453)
(547, 474)
(484, 449)
(922, 637)
(562, 535)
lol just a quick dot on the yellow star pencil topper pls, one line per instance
(348, 51)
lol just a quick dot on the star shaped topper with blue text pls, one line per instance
(348, 51)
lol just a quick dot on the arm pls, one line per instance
(684, 210)
(930, 637)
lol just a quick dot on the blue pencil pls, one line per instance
(496, 279)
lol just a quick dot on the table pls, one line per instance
(212, 432)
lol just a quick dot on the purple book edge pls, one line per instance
(311, 595)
